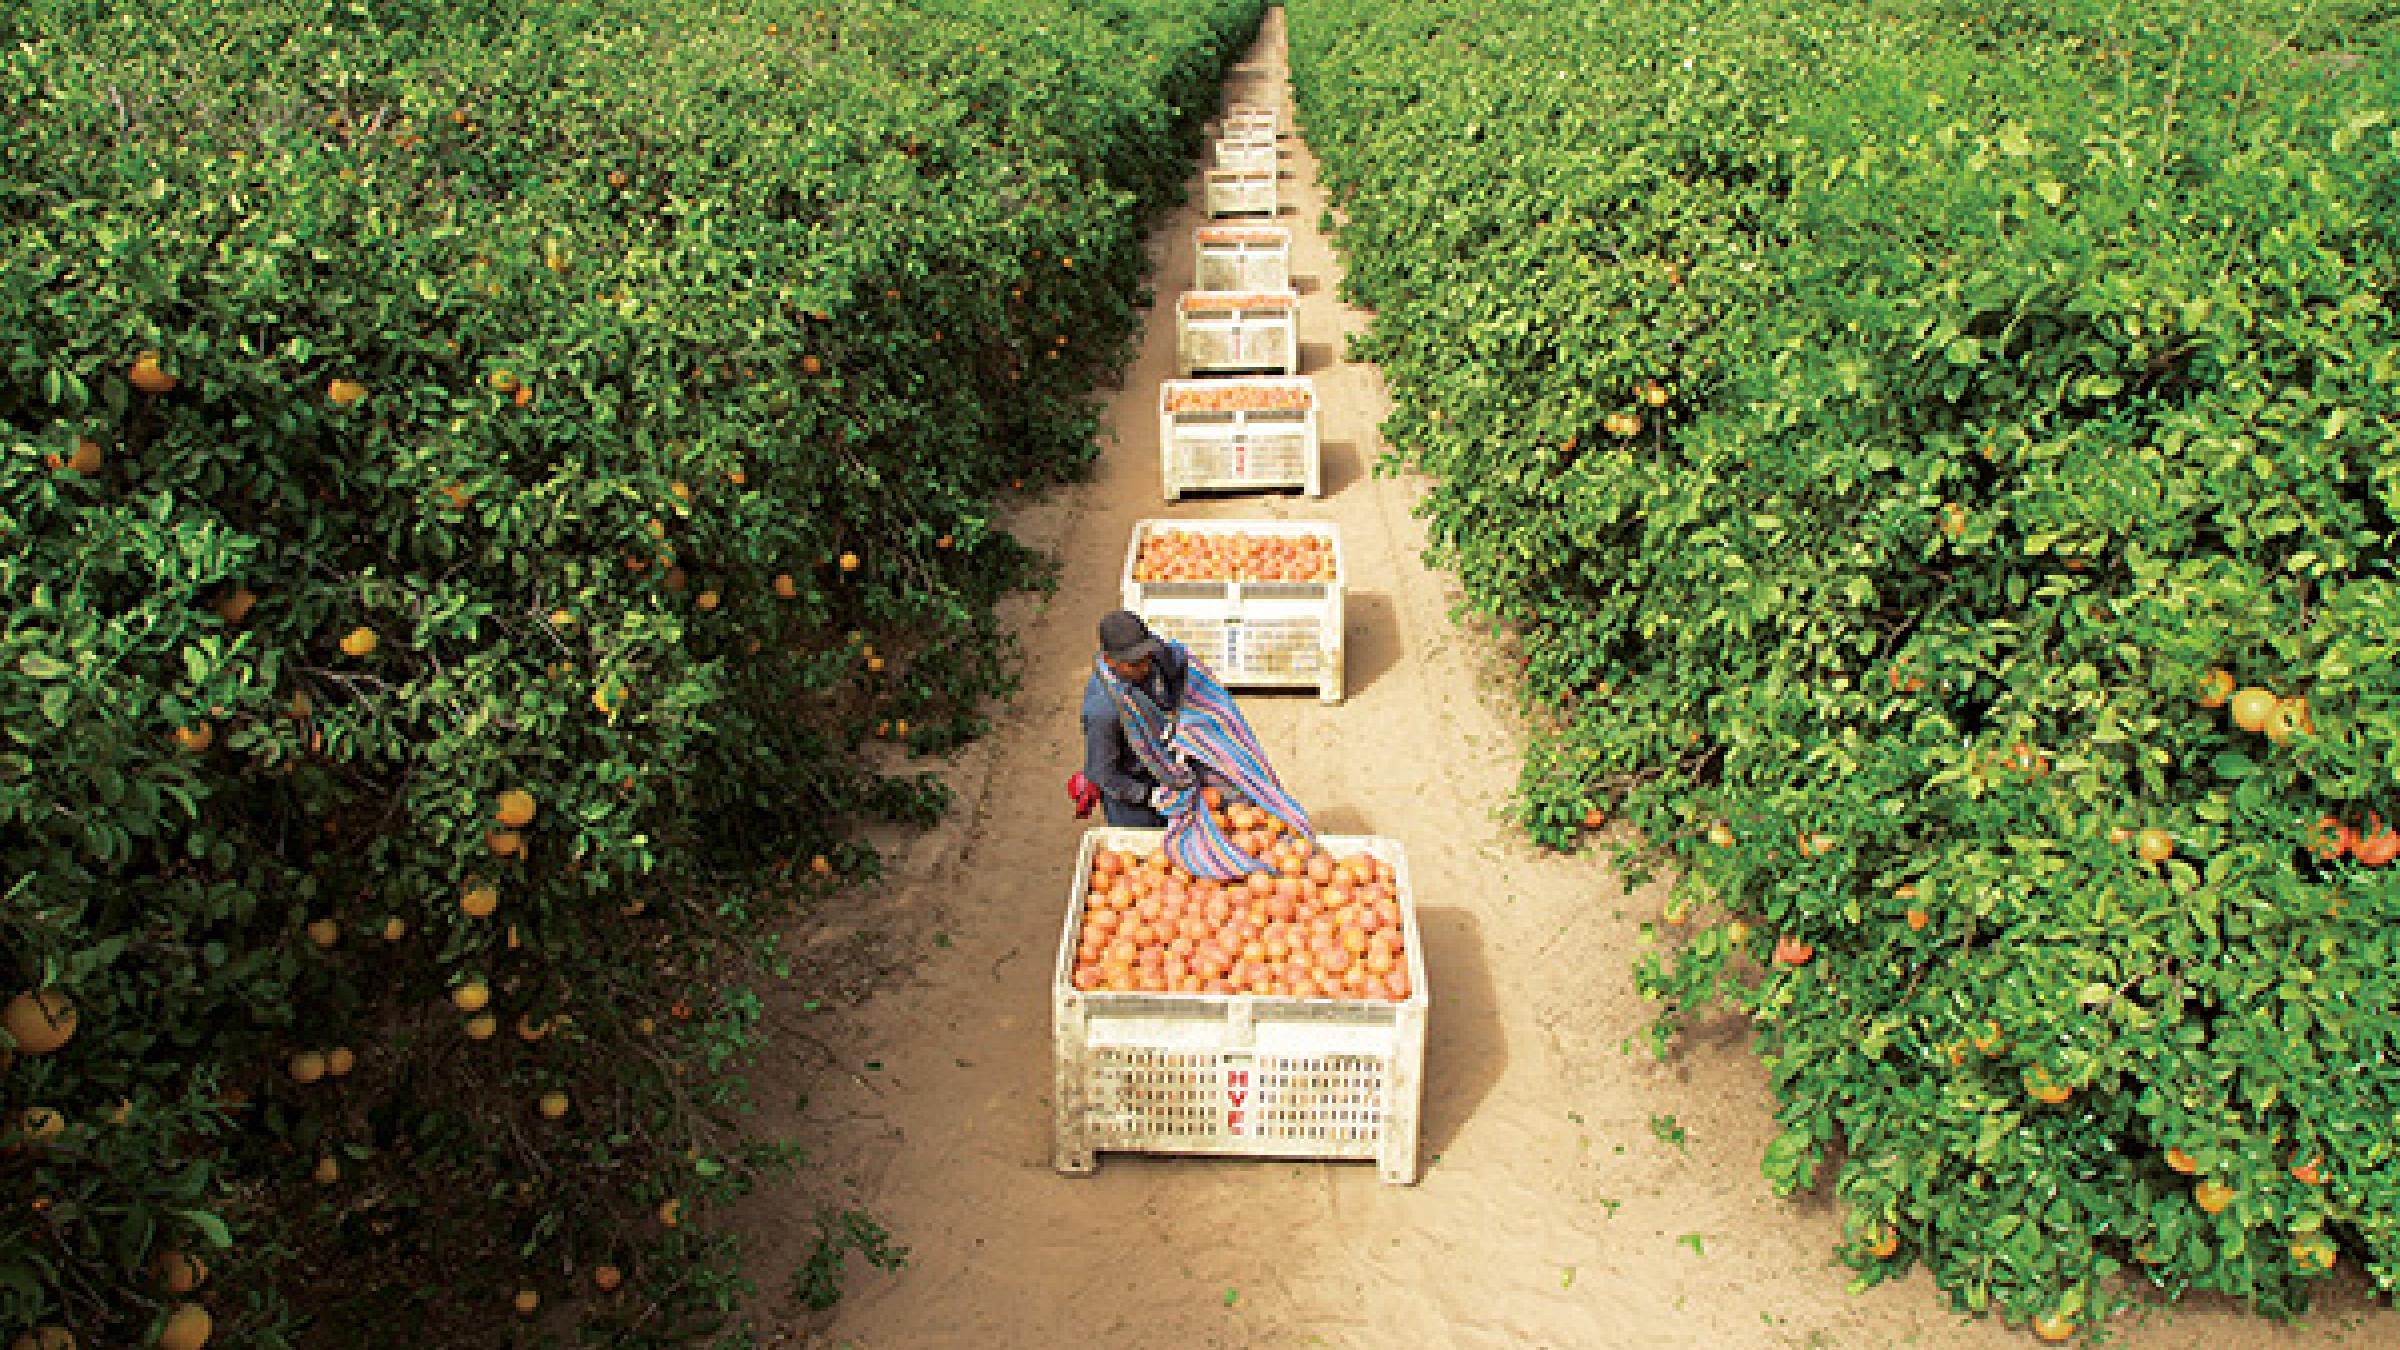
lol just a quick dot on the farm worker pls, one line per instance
(1160, 734)
(1138, 659)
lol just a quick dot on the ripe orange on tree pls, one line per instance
(147, 376)
(2154, 845)
(2378, 844)
(2212, 1196)
(41, 1124)
(178, 1273)
(514, 808)
(2252, 707)
(2215, 688)
(188, 1327)
(2044, 1089)
(2287, 719)
(236, 605)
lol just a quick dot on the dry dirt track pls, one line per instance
(1551, 1212)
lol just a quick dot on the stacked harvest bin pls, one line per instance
(1250, 1074)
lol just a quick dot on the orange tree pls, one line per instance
(1937, 460)
(476, 483)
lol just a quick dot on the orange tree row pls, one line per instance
(1896, 432)
(476, 483)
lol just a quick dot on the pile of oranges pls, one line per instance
(1242, 234)
(1316, 927)
(1237, 396)
(1180, 555)
(1236, 300)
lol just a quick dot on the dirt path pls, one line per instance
(1555, 1210)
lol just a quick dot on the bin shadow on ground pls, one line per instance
(1371, 637)
(1316, 357)
(1466, 1050)
(1340, 820)
(1339, 466)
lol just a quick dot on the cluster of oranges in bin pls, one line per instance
(1187, 555)
(1316, 926)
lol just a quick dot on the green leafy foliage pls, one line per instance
(606, 400)
(1875, 422)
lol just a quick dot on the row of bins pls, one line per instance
(1262, 1069)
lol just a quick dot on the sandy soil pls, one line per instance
(1554, 1209)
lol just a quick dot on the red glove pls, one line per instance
(1082, 795)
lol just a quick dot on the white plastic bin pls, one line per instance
(1237, 331)
(1239, 192)
(1238, 1074)
(1246, 155)
(1237, 434)
(1241, 258)
(1257, 634)
(1247, 122)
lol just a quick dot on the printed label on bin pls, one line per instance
(1240, 1098)
(1241, 458)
